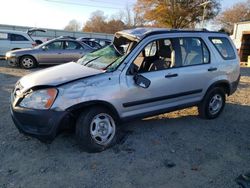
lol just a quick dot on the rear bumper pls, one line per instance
(234, 85)
(42, 124)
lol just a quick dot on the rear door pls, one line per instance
(72, 51)
(52, 53)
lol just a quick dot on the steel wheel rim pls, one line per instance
(27, 62)
(102, 129)
(215, 104)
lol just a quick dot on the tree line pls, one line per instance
(166, 13)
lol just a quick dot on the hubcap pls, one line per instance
(215, 104)
(27, 62)
(102, 129)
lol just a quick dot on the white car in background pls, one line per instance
(13, 40)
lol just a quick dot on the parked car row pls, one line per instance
(20, 49)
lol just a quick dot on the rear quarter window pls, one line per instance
(16, 37)
(224, 47)
(3, 36)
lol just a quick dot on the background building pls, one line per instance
(241, 39)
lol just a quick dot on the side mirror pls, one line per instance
(142, 81)
(133, 70)
(44, 48)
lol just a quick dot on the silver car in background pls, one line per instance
(56, 51)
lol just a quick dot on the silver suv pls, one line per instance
(143, 73)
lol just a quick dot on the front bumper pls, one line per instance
(13, 60)
(42, 124)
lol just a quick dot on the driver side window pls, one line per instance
(55, 45)
(156, 55)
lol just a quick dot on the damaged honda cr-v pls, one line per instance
(144, 72)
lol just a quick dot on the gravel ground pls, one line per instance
(173, 150)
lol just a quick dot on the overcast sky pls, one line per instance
(57, 13)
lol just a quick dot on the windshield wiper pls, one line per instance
(105, 68)
(91, 60)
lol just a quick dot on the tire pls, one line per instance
(212, 104)
(28, 62)
(96, 129)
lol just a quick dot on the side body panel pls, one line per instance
(119, 89)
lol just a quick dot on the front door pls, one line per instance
(176, 68)
(52, 53)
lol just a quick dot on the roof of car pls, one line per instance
(13, 31)
(140, 33)
(90, 38)
(64, 39)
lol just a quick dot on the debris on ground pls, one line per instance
(169, 164)
(244, 180)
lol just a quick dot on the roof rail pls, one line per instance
(187, 29)
(66, 37)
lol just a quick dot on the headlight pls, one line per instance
(39, 99)
(10, 54)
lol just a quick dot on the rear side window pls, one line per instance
(16, 37)
(3, 36)
(224, 47)
(193, 51)
(69, 45)
(57, 45)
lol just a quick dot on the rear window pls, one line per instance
(224, 47)
(16, 37)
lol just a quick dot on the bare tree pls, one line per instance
(131, 18)
(96, 23)
(73, 25)
(239, 12)
(99, 23)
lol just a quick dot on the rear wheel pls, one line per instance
(212, 104)
(28, 62)
(96, 129)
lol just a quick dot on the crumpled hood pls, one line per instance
(57, 75)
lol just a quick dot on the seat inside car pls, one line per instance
(164, 61)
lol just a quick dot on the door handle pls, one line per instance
(171, 75)
(212, 69)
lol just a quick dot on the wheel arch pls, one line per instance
(78, 108)
(224, 84)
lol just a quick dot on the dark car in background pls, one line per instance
(56, 51)
(96, 43)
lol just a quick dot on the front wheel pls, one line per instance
(96, 129)
(28, 62)
(212, 104)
